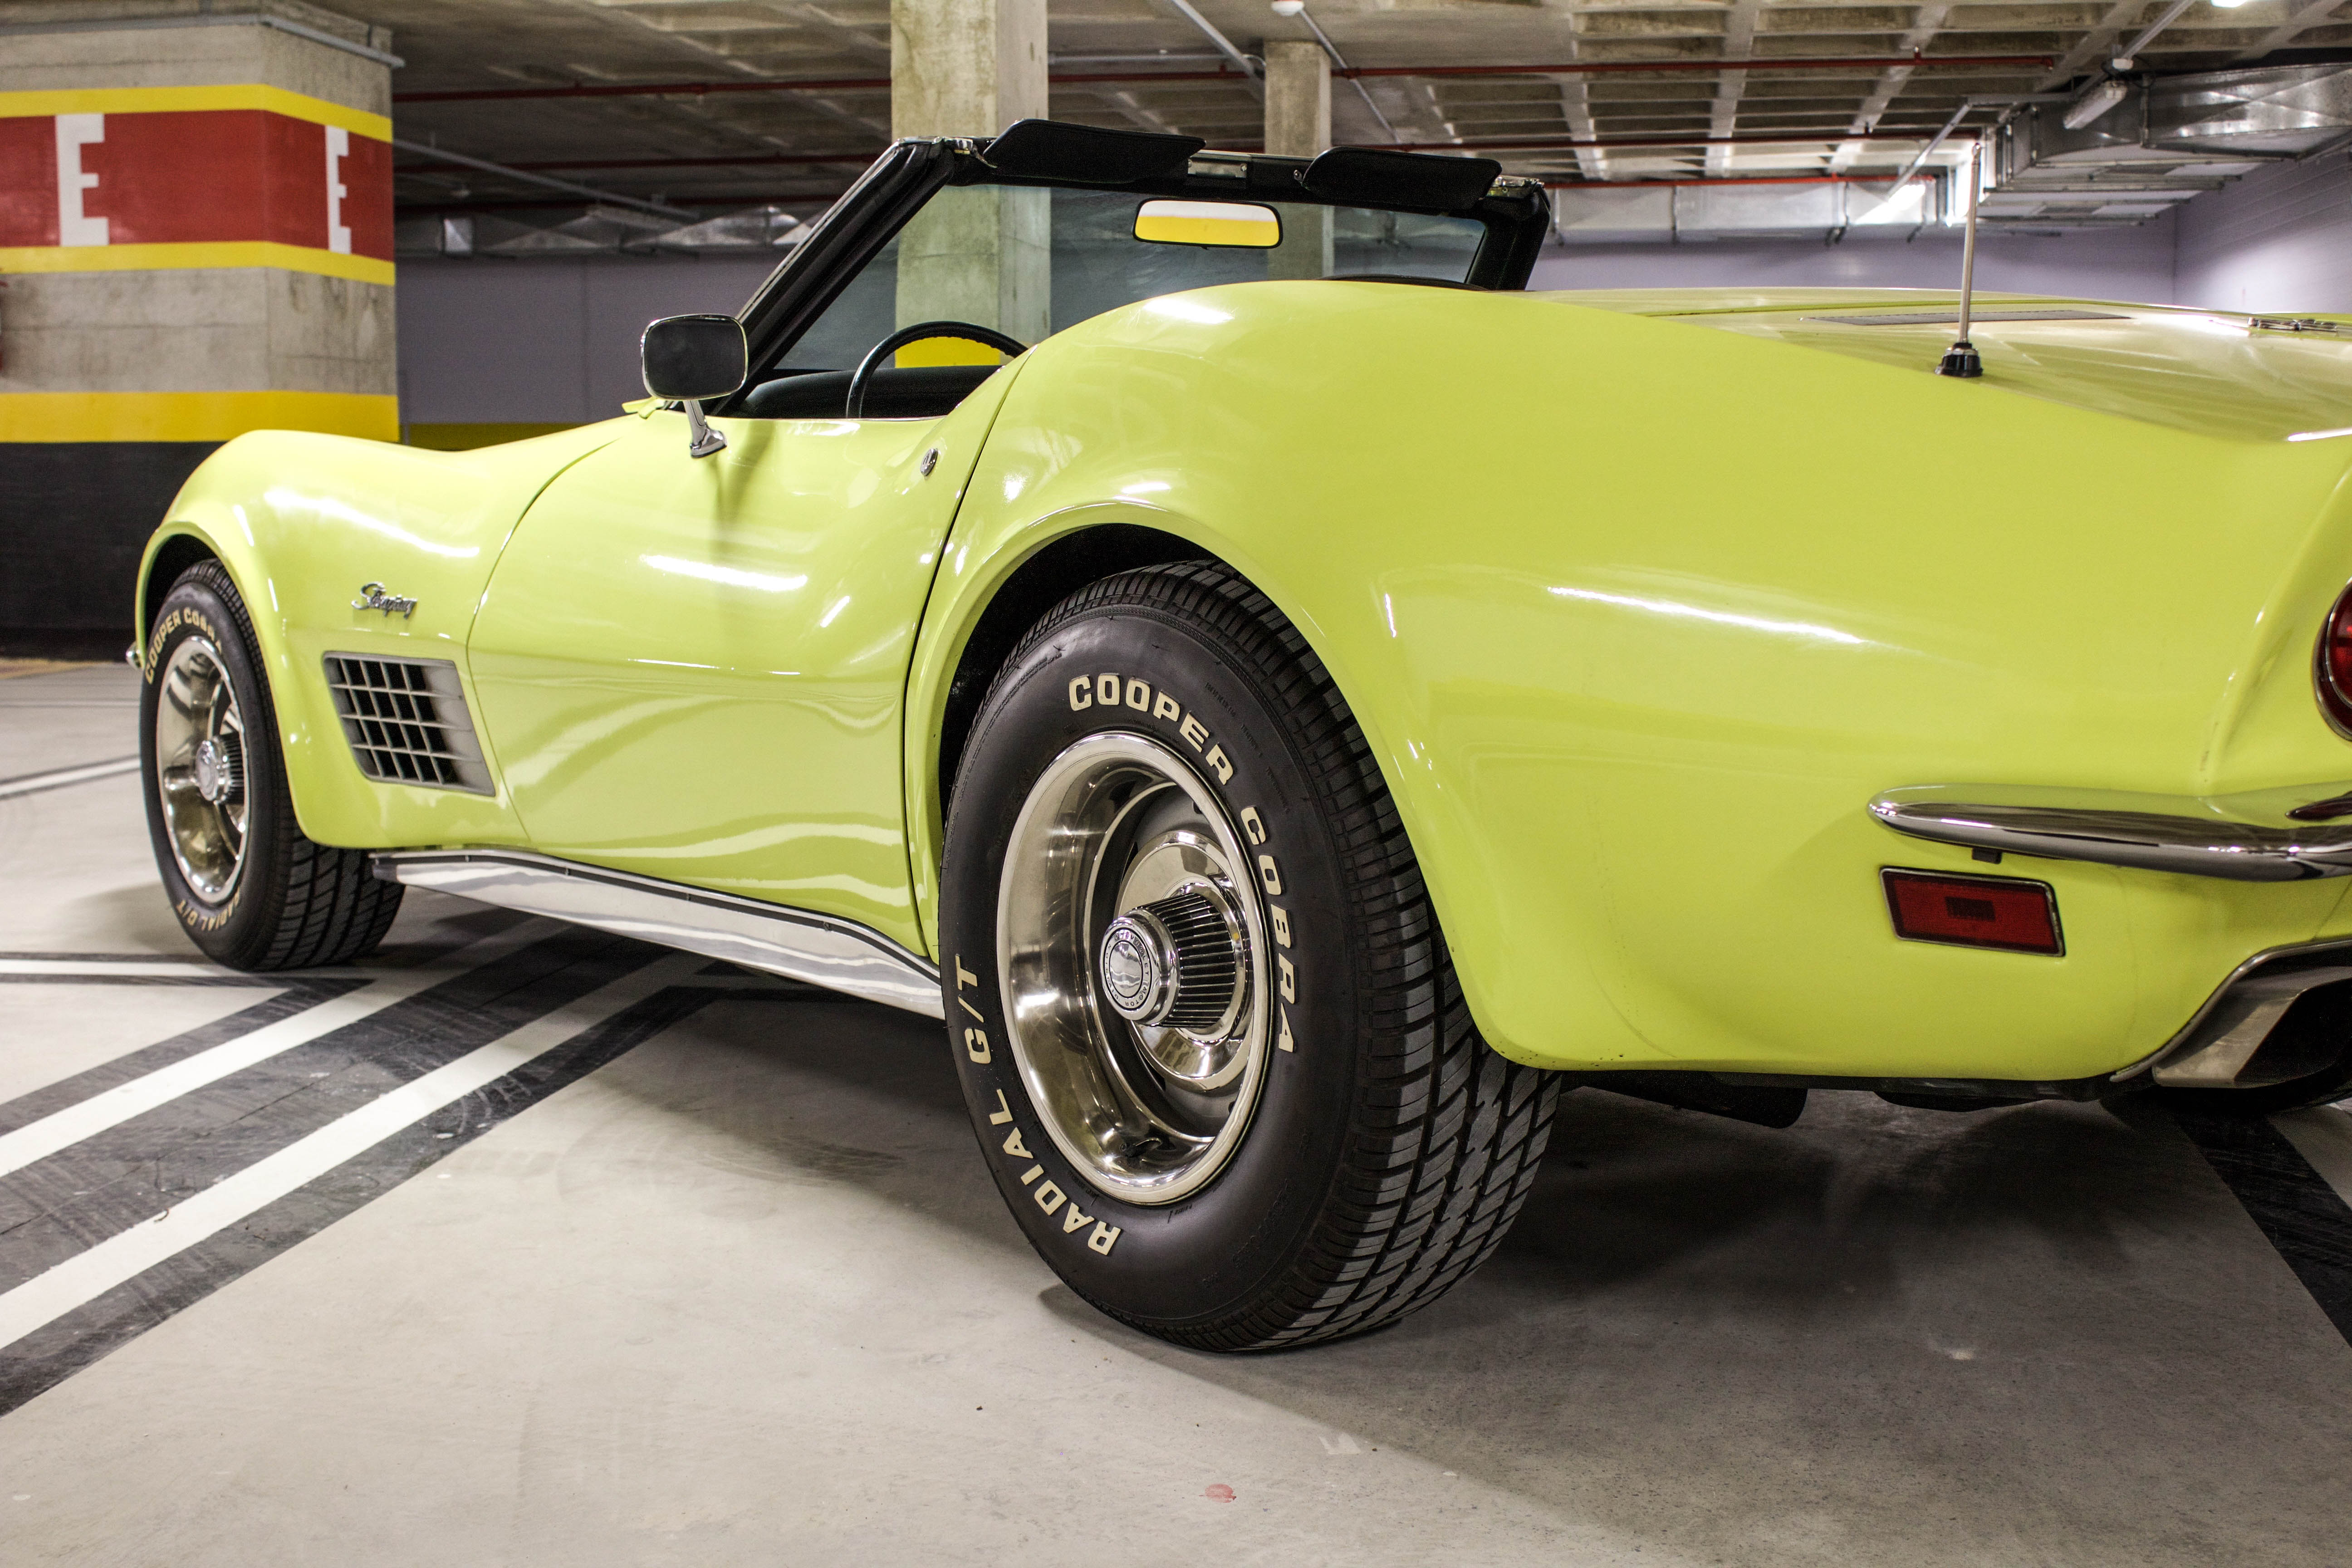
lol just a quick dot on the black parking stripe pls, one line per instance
(299, 996)
(55, 1352)
(2292, 1204)
(57, 1206)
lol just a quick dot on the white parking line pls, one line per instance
(86, 1276)
(63, 1129)
(155, 969)
(33, 784)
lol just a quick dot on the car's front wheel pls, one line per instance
(248, 888)
(1208, 1031)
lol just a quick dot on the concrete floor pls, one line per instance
(743, 1294)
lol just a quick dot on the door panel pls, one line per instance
(695, 669)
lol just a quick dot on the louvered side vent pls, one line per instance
(406, 722)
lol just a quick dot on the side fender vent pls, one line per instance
(407, 723)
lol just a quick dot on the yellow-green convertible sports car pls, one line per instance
(1291, 701)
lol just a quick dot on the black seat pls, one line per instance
(924, 392)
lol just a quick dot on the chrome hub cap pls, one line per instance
(1132, 961)
(200, 768)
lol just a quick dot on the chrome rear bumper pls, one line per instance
(2191, 835)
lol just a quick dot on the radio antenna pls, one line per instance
(1961, 359)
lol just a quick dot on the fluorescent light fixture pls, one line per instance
(2095, 103)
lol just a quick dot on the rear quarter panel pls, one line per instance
(1637, 615)
(302, 522)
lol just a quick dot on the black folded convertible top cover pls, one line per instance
(1380, 176)
(1057, 149)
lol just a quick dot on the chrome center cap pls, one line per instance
(1138, 966)
(210, 771)
(1175, 963)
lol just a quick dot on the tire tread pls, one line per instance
(327, 906)
(1447, 1133)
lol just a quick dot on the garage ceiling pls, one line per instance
(784, 100)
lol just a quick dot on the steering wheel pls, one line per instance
(915, 334)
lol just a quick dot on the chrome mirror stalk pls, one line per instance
(705, 441)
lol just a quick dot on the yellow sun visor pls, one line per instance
(1243, 223)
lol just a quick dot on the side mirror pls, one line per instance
(692, 359)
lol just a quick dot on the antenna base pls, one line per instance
(1961, 359)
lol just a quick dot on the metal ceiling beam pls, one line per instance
(1564, 68)
(2304, 18)
(443, 155)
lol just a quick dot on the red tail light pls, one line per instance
(2333, 671)
(2003, 912)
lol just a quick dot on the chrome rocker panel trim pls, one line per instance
(2182, 833)
(838, 954)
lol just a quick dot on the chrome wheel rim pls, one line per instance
(1122, 859)
(200, 772)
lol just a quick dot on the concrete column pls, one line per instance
(197, 243)
(970, 67)
(1298, 125)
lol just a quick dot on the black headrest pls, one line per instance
(1057, 149)
(1381, 176)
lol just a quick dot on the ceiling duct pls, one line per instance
(1700, 212)
(2169, 140)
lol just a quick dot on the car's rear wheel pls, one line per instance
(1208, 1031)
(249, 890)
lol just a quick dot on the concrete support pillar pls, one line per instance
(970, 67)
(197, 239)
(1298, 125)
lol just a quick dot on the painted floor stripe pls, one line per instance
(89, 1275)
(2324, 1137)
(149, 969)
(2301, 1212)
(33, 784)
(40, 1139)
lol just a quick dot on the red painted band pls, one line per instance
(196, 177)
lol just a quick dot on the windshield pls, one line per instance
(1030, 261)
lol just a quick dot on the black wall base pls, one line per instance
(74, 517)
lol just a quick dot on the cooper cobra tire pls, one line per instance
(1371, 1149)
(249, 890)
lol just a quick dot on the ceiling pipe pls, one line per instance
(1570, 143)
(1251, 68)
(1340, 66)
(1529, 143)
(1967, 105)
(443, 155)
(1703, 67)
(1569, 67)
(716, 161)
(2172, 13)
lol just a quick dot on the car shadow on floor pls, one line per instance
(1902, 1335)
(1884, 1333)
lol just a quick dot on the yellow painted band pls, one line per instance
(185, 100)
(1250, 234)
(946, 351)
(191, 415)
(207, 256)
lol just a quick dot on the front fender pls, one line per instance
(302, 522)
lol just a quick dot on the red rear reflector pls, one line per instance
(2005, 912)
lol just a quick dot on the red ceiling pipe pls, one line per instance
(1571, 144)
(1531, 143)
(1569, 67)
(1608, 67)
(729, 161)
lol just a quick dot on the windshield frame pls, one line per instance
(1515, 215)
